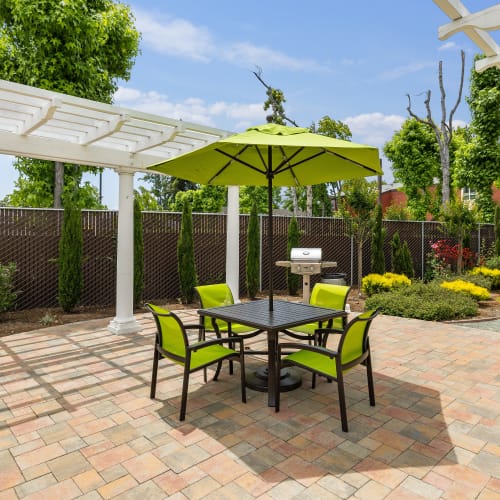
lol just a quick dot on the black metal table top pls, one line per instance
(284, 315)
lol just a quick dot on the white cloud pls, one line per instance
(374, 129)
(402, 71)
(448, 46)
(175, 37)
(235, 116)
(181, 38)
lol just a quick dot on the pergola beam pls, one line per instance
(475, 26)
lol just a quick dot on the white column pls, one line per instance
(233, 241)
(124, 321)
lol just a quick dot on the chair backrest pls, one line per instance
(213, 296)
(353, 345)
(332, 296)
(171, 335)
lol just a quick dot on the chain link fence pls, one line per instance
(30, 238)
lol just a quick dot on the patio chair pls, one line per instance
(323, 295)
(220, 295)
(353, 349)
(172, 342)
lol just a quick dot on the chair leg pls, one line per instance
(185, 383)
(277, 388)
(154, 374)
(371, 386)
(243, 379)
(217, 370)
(343, 409)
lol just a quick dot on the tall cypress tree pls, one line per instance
(185, 256)
(253, 245)
(292, 280)
(378, 235)
(70, 258)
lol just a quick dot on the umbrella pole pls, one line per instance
(270, 222)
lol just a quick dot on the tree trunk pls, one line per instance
(58, 183)
(295, 202)
(360, 264)
(444, 152)
(309, 202)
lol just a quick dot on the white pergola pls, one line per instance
(476, 26)
(38, 123)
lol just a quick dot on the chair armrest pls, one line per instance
(306, 347)
(207, 343)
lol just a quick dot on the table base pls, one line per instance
(258, 379)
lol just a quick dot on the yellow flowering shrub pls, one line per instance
(494, 274)
(477, 292)
(377, 283)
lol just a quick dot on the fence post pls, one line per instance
(422, 236)
(260, 252)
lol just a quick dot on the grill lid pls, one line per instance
(305, 254)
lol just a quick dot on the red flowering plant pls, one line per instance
(443, 258)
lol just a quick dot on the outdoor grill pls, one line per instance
(306, 261)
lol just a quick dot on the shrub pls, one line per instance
(252, 260)
(185, 255)
(461, 286)
(494, 274)
(401, 260)
(70, 259)
(493, 263)
(377, 283)
(7, 294)
(424, 301)
(293, 238)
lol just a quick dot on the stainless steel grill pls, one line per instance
(306, 261)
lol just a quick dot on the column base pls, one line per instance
(121, 326)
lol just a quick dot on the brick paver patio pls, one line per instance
(76, 421)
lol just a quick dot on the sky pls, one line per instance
(354, 61)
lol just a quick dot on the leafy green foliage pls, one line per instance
(497, 231)
(164, 189)
(401, 260)
(138, 254)
(185, 255)
(358, 205)
(70, 259)
(207, 199)
(293, 241)
(494, 274)
(428, 301)
(478, 160)
(7, 294)
(146, 200)
(377, 244)
(414, 153)
(77, 47)
(459, 221)
(253, 253)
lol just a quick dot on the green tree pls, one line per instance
(497, 231)
(459, 221)
(478, 160)
(249, 194)
(138, 254)
(253, 253)
(208, 199)
(70, 258)
(414, 154)
(357, 205)
(185, 256)
(401, 260)
(146, 200)
(378, 235)
(165, 188)
(77, 47)
(293, 241)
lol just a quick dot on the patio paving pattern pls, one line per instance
(76, 421)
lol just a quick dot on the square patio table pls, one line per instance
(285, 315)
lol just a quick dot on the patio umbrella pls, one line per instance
(274, 155)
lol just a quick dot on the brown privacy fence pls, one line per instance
(29, 237)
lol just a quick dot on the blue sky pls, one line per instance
(353, 61)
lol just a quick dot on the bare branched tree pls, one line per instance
(443, 131)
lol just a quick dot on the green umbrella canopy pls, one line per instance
(274, 155)
(294, 155)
